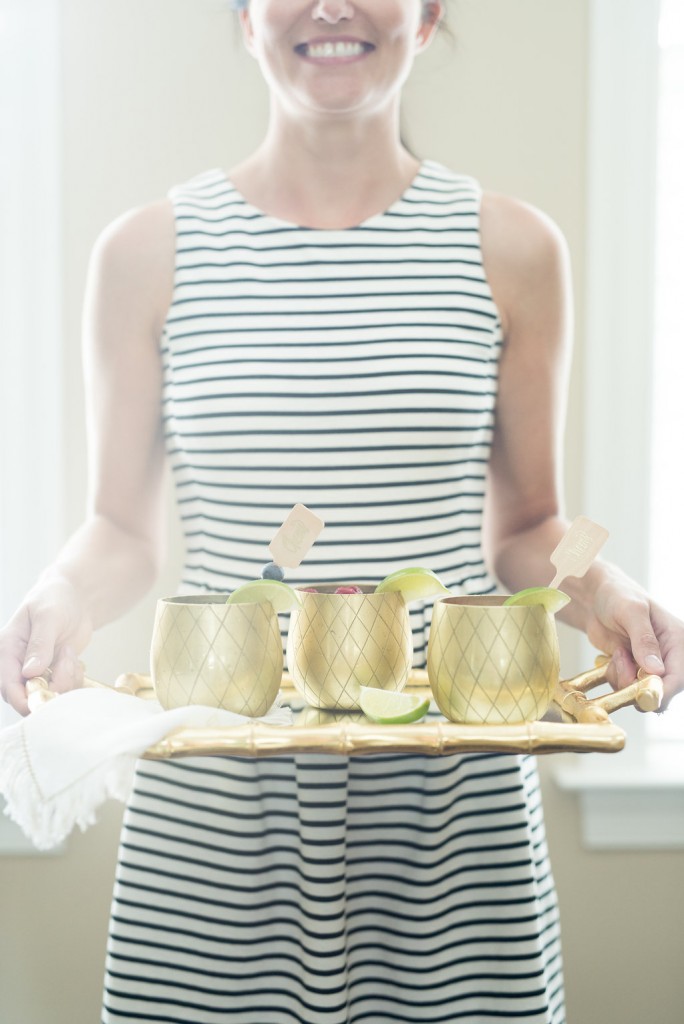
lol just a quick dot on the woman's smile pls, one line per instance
(337, 57)
(334, 49)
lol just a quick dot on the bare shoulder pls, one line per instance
(524, 254)
(518, 233)
(134, 258)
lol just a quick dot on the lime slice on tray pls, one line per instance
(391, 708)
(415, 584)
(283, 597)
(552, 600)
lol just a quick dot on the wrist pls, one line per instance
(58, 579)
(55, 587)
(582, 591)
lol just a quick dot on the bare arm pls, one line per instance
(113, 558)
(528, 269)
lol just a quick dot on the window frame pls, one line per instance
(31, 355)
(636, 801)
(31, 359)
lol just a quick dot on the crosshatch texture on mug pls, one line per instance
(487, 663)
(207, 652)
(340, 642)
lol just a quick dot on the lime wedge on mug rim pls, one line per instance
(415, 584)
(282, 596)
(552, 600)
(390, 708)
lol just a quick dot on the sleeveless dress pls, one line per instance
(354, 371)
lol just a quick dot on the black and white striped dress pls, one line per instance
(354, 371)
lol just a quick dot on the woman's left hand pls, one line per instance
(637, 633)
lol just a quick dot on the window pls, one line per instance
(30, 287)
(30, 314)
(667, 479)
(633, 441)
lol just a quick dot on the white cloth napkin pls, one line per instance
(58, 765)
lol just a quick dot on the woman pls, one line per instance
(346, 326)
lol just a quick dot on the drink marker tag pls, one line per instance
(295, 537)
(577, 549)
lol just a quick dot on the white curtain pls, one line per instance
(30, 289)
(31, 494)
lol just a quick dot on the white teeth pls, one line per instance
(323, 50)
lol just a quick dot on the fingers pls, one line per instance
(12, 682)
(35, 643)
(622, 670)
(67, 671)
(40, 649)
(643, 641)
(625, 626)
(12, 647)
(670, 632)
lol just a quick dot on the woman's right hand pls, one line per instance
(48, 630)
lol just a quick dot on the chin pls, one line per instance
(327, 102)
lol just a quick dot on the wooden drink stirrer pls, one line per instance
(577, 549)
(292, 541)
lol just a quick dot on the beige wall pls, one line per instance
(156, 90)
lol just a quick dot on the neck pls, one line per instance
(327, 174)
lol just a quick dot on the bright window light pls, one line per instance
(667, 482)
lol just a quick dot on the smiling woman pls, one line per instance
(329, 58)
(338, 48)
(336, 322)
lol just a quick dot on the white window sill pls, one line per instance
(629, 802)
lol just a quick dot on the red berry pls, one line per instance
(308, 590)
(349, 590)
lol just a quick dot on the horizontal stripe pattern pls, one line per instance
(376, 346)
(335, 890)
(355, 371)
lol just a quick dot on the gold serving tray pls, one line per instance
(574, 723)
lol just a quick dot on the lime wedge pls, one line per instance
(390, 708)
(283, 597)
(415, 584)
(552, 600)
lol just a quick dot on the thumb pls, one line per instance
(644, 643)
(40, 648)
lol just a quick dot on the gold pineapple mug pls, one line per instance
(488, 663)
(205, 651)
(339, 642)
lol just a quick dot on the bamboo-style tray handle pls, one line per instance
(645, 694)
(579, 707)
(650, 693)
(38, 690)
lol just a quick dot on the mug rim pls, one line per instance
(491, 602)
(328, 590)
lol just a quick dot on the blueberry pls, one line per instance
(272, 572)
